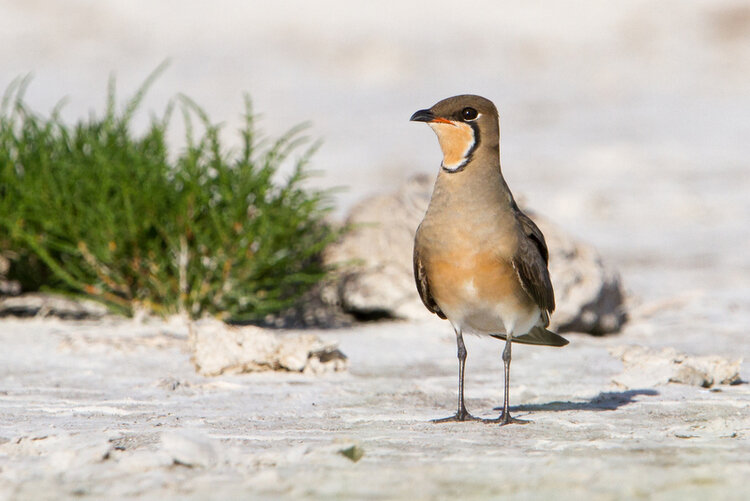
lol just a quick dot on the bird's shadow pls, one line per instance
(604, 401)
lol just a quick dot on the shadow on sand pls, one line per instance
(605, 401)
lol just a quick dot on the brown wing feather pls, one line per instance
(530, 262)
(423, 286)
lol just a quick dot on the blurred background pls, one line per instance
(627, 123)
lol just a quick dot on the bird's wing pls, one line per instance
(537, 335)
(423, 286)
(530, 263)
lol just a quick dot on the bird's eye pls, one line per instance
(469, 113)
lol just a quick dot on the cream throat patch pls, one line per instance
(457, 140)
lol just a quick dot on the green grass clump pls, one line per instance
(95, 209)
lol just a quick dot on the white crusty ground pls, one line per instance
(115, 409)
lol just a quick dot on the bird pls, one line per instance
(479, 261)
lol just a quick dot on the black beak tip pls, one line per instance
(422, 116)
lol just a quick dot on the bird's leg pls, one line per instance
(461, 414)
(505, 417)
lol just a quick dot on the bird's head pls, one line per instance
(463, 124)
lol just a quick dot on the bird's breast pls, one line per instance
(468, 274)
(477, 290)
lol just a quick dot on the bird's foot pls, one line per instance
(462, 415)
(505, 419)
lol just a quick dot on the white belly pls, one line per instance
(474, 315)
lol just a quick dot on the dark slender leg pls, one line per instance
(461, 414)
(506, 418)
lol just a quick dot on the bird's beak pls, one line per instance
(429, 117)
(422, 116)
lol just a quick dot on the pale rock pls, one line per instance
(61, 453)
(646, 367)
(138, 461)
(588, 292)
(219, 348)
(190, 448)
(375, 275)
(375, 257)
(292, 352)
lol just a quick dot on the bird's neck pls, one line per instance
(478, 185)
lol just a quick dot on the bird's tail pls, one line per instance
(537, 335)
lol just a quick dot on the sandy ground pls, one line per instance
(625, 123)
(115, 409)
